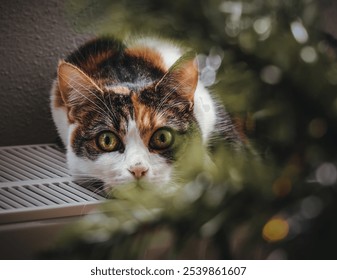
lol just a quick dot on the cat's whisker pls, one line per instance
(162, 103)
(99, 189)
(113, 114)
(93, 106)
(100, 99)
(96, 106)
(100, 109)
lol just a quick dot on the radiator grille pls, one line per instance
(35, 184)
(31, 163)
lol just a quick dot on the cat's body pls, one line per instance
(124, 112)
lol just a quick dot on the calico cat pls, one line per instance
(126, 112)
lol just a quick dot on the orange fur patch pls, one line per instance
(91, 65)
(119, 90)
(147, 120)
(149, 55)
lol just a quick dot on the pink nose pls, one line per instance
(138, 171)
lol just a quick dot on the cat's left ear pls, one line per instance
(182, 77)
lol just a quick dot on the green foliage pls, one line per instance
(275, 199)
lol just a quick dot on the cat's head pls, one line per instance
(121, 132)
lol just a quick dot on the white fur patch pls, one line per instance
(168, 51)
(204, 111)
(60, 117)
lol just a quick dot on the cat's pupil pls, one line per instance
(107, 140)
(162, 138)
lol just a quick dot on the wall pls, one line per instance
(34, 34)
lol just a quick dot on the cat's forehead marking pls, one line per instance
(119, 89)
(147, 120)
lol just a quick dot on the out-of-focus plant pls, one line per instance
(276, 74)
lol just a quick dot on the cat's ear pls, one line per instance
(75, 86)
(182, 77)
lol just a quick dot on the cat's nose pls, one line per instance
(138, 171)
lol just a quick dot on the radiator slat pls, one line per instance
(49, 160)
(6, 199)
(81, 192)
(47, 195)
(41, 162)
(31, 197)
(19, 166)
(43, 169)
(71, 196)
(5, 206)
(35, 184)
(5, 177)
(48, 150)
(58, 192)
(15, 195)
(20, 195)
(21, 175)
(91, 194)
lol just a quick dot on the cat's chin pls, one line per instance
(110, 189)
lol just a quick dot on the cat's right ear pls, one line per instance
(75, 86)
(182, 77)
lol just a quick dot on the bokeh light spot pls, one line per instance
(271, 74)
(311, 207)
(275, 230)
(262, 25)
(299, 32)
(233, 8)
(326, 174)
(309, 54)
(213, 61)
(207, 76)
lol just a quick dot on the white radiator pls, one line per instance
(37, 198)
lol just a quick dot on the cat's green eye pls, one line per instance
(108, 141)
(162, 139)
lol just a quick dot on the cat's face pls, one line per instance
(120, 134)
